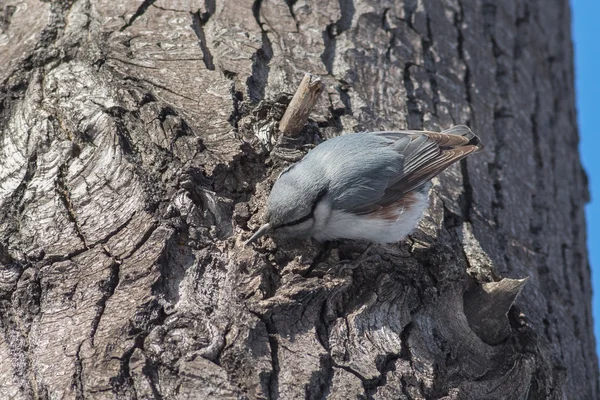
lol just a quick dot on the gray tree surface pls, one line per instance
(138, 143)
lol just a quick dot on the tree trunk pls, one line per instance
(138, 143)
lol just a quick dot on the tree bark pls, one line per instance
(136, 154)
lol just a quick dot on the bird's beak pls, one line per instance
(260, 232)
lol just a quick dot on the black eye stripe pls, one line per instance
(298, 221)
(320, 196)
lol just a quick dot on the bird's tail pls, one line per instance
(464, 132)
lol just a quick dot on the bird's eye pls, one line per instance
(297, 221)
(309, 215)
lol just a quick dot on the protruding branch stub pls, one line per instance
(304, 100)
(486, 308)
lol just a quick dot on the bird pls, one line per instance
(371, 186)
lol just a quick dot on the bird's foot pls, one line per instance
(351, 265)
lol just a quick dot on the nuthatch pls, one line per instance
(367, 186)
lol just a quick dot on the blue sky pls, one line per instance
(586, 37)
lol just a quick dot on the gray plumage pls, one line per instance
(367, 175)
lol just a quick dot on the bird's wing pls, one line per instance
(425, 154)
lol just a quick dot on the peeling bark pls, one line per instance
(136, 156)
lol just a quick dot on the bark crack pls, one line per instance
(168, 9)
(152, 315)
(326, 361)
(142, 241)
(258, 80)
(198, 22)
(17, 197)
(467, 193)
(138, 13)
(501, 112)
(333, 30)
(537, 223)
(321, 256)
(410, 6)
(65, 196)
(78, 375)
(458, 20)
(324, 388)
(108, 288)
(114, 232)
(151, 372)
(430, 67)
(273, 380)
(158, 85)
(415, 116)
(385, 365)
(274, 345)
(237, 97)
(290, 4)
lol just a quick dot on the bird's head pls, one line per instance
(291, 206)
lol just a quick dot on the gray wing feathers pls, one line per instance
(460, 131)
(425, 154)
(438, 151)
(443, 160)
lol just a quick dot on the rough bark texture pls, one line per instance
(133, 164)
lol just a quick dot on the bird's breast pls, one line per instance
(388, 224)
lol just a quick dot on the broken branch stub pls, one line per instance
(304, 100)
(486, 308)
